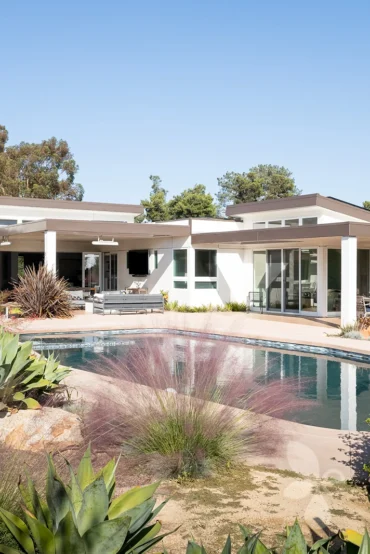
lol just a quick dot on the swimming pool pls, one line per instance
(339, 387)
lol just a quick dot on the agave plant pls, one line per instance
(23, 376)
(41, 293)
(83, 517)
(294, 543)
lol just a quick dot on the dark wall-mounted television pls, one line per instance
(138, 262)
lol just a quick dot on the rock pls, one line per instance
(38, 430)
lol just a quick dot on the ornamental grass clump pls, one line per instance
(197, 413)
(42, 294)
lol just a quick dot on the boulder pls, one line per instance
(38, 430)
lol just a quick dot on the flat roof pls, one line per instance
(300, 201)
(70, 205)
(97, 228)
(281, 234)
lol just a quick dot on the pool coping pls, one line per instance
(265, 343)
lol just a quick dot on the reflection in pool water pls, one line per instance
(341, 388)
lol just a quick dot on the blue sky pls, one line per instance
(191, 89)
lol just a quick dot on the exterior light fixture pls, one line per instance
(101, 242)
(5, 241)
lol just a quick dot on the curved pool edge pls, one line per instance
(305, 449)
(302, 347)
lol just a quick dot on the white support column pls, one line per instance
(248, 263)
(349, 280)
(322, 281)
(50, 250)
(348, 401)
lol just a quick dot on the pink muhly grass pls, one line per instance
(207, 409)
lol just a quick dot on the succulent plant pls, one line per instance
(22, 375)
(83, 517)
(294, 543)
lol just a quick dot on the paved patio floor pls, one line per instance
(298, 330)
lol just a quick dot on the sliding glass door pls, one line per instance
(291, 280)
(274, 280)
(288, 279)
(309, 280)
(110, 271)
(91, 268)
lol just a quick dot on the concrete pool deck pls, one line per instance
(298, 330)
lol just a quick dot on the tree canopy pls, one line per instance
(38, 170)
(156, 207)
(193, 202)
(262, 182)
(366, 204)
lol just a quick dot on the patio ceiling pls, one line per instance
(77, 230)
(321, 235)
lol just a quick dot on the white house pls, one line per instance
(306, 254)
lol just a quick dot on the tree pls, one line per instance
(262, 182)
(193, 202)
(38, 170)
(156, 207)
(366, 204)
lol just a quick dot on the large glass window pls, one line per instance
(334, 279)
(309, 280)
(206, 284)
(259, 225)
(180, 263)
(259, 280)
(274, 280)
(291, 280)
(363, 286)
(91, 270)
(291, 222)
(180, 284)
(205, 263)
(272, 224)
(309, 220)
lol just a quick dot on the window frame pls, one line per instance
(182, 279)
(205, 279)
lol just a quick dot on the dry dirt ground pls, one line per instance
(262, 499)
(209, 508)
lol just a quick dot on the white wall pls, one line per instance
(324, 216)
(28, 213)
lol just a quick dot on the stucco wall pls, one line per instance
(29, 213)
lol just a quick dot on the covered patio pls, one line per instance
(316, 270)
(89, 254)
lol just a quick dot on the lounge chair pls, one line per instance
(363, 306)
(120, 302)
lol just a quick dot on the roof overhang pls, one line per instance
(86, 229)
(296, 202)
(285, 234)
(71, 205)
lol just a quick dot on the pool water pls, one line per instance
(340, 388)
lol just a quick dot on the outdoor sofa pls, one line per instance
(121, 302)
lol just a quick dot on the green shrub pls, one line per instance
(24, 378)
(174, 306)
(294, 542)
(236, 306)
(41, 293)
(349, 328)
(83, 517)
(353, 335)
